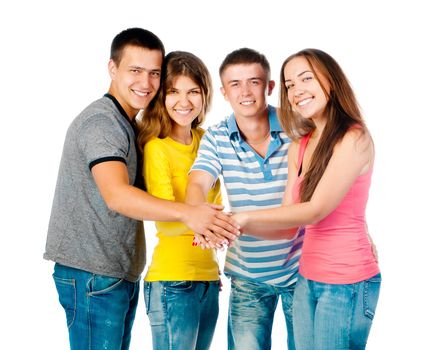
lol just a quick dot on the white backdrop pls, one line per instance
(53, 63)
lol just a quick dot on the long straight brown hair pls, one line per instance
(156, 122)
(342, 112)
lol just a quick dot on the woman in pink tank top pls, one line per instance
(329, 175)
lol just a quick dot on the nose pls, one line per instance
(298, 91)
(245, 89)
(183, 99)
(144, 79)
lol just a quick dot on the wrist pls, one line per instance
(182, 213)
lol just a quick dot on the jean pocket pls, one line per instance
(371, 293)
(66, 289)
(179, 286)
(102, 284)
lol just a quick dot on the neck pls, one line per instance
(131, 113)
(182, 135)
(254, 130)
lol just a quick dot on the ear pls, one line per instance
(271, 85)
(223, 92)
(112, 69)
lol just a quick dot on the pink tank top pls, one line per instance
(337, 249)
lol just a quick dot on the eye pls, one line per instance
(289, 86)
(308, 78)
(155, 74)
(194, 92)
(255, 82)
(135, 71)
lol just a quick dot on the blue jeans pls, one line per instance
(99, 310)
(182, 314)
(251, 313)
(334, 316)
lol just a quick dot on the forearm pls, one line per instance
(137, 204)
(272, 234)
(281, 218)
(195, 194)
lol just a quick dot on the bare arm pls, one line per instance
(352, 157)
(199, 184)
(111, 179)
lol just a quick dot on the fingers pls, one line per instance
(216, 206)
(215, 240)
(230, 224)
(210, 240)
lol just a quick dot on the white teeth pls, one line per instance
(246, 103)
(304, 102)
(140, 93)
(182, 111)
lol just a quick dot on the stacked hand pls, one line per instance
(213, 228)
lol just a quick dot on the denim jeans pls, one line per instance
(251, 313)
(99, 310)
(334, 316)
(182, 314)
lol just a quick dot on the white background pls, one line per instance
(53, 63)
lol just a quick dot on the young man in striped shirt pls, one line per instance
(249, 150)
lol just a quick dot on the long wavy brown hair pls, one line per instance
(342, 112)
(155, 121)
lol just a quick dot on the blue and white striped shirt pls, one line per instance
(252, 182)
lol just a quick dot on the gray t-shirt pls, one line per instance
(83, 232)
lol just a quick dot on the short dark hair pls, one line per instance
(245, 56)
(136, 37)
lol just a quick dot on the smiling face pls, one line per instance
(136, 79)
(184, 103)
(304, 91)
(246, 87)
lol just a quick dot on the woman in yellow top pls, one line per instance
(181, 288)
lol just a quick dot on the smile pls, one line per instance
(247, 103)
(141, 93)
(305, 101)
(183, 111)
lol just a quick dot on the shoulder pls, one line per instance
(358, 138)
(356, 144)
(198, 132)
(221, 127)
(154, 144)
(293, 151)
(101, 113)
(294, 146)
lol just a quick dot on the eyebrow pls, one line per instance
(191, 89)
(147, 69)
(306, 71)
(237, 80)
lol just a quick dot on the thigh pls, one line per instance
(154, 298)
(96, 307)
(174, 310)
(363, 314)
(287, 295)
(304, 306)
(333, 315)
(251, 312)
(209, 311)
(112, 306)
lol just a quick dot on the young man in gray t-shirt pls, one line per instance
(95, 233)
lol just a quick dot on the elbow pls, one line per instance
(112, 204)
(317, 213)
